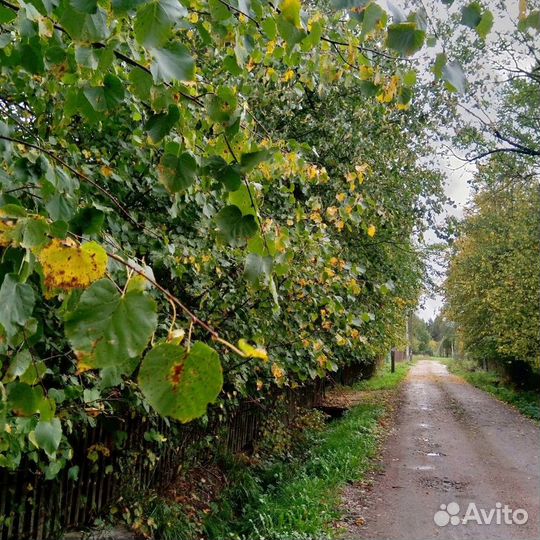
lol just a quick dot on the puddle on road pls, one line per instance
(424, 468)
(425, 426)
(431, 454)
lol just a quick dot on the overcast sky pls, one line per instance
(457, 172)
(458, 190)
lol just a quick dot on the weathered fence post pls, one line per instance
(393, 360)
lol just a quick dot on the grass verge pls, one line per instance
(384, 379)
(528, 403)
(300, 498)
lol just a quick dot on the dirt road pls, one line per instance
(452, 443)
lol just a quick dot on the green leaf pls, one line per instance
(368, 88)
(230, 177)
(84, 6)
(373, 15)
(17, 303)
(109, 329)
(218, 10)
(531, 21)
(106, 96)
(314, 37)
(59, 229)
(405, 38)
(6, 15)
(252, 159)
(440, 62)
(23, 399)
(485, 25)
(242, 199)
(348, 4)
(73, 473)
(222, 106)
(172, 63)
(12, 210)
(35, 233)
(257, 268)
(85, 27)
(34, 373)
(160, 125)
(453, 74)
(18, 365)
(154, 21)
(409, 78)
(60, 208)
(87, 220)
(228, 174)
(471, 15)
(290, 10)
(269, 27)
(177, 173)
(32, 57)
(141, 83)
(289, 32)
(48, 435)
(234, 225)
(181, 383)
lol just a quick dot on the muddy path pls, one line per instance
(452, 445)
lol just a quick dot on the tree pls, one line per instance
(163, 243)
(493, 282)
(420, 337)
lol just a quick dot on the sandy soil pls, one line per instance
(451, 443)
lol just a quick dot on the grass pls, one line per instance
(300, 499)
(384, 379)
(527, 402)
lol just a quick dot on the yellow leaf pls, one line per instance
(69, 266)
(290, 9)
(366, 72)
(278, 372)
(252, 352)
(372, 230)
(106, 171)
(288, 76)
(5, 228)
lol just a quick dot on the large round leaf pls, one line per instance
(178, 383)
(177, 173)
(108, 329)
(48, 435)
(69, 266)
(234, 225)
(172, 63)
(154, 21)
(24, 399)
(405, 38)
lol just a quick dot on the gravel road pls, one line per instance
(452, 443)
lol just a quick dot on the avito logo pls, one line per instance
(499, 515)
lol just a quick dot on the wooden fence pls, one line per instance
(32, 507)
